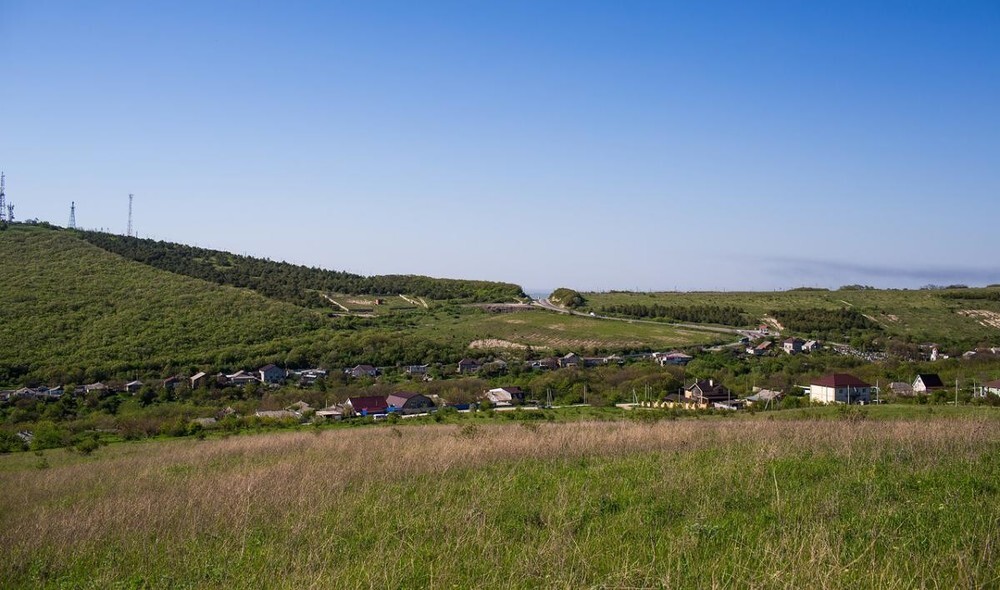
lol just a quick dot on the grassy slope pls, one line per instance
(719, 503)
(542, 329)
(74, 305)
(923, 314)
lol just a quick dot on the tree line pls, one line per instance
(702, 314)
(825, 322)
(293, 283)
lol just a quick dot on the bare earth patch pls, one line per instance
(773, 322)
(989, 319)
(496, 343)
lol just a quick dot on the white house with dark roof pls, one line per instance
(272, 374)
(840, 388)
(927, 382)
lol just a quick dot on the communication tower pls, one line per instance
(129, 231)
(3, 205)
(72, 215)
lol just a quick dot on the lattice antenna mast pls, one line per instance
(129, 231)
(10, 212)
(72, 215)
(3, 196)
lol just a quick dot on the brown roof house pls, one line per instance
(367, 405)
(840, 388)
(701, 395)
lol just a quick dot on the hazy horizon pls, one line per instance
(644, 146)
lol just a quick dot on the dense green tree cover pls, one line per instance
(289, 282)
(826, 323)
(567, 298)
(988, 294)
(703, 314)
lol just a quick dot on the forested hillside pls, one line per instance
(297, 284)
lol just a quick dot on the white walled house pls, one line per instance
(840, 388)
(927, 382)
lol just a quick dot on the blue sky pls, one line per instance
(596, 145)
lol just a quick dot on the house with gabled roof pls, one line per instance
(241, 378)
(367, 405)
(707, 392)
(569, 360)
(992, 387)
(505, 396)
(408, 403)
(674, 357)
(272, 374)
(362, 371)
(466, 366)
(840, 388)
(927, 382)
(133, 386)
(198, 379)
(793, 345)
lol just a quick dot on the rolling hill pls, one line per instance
(74, 312)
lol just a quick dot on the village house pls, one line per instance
(241, 378)
(171, 382)
(133, 387)
(701, 395)
(546, 364)
(810, 346)
(674, 357)
(362, 371)
(332, 413)
(368, 405)
(416, 371)
(98, 387)
(409, 403)
(198, 379)
(793, 345)
(272, 374)
(840, 388)
(761, 349)
(764, 397)
(278, 414)
(309, 376)
(901, 388)
(570, 360)
(927, 382)
(505, 396)
(466, 366)
(992, 387)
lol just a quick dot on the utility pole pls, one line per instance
(128, 232)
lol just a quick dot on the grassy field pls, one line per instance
(921, 314)
(546, 330)
(831, 503)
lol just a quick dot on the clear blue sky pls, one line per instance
(596, 145)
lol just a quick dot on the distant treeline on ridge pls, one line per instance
(707, 314)
(297, 284)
